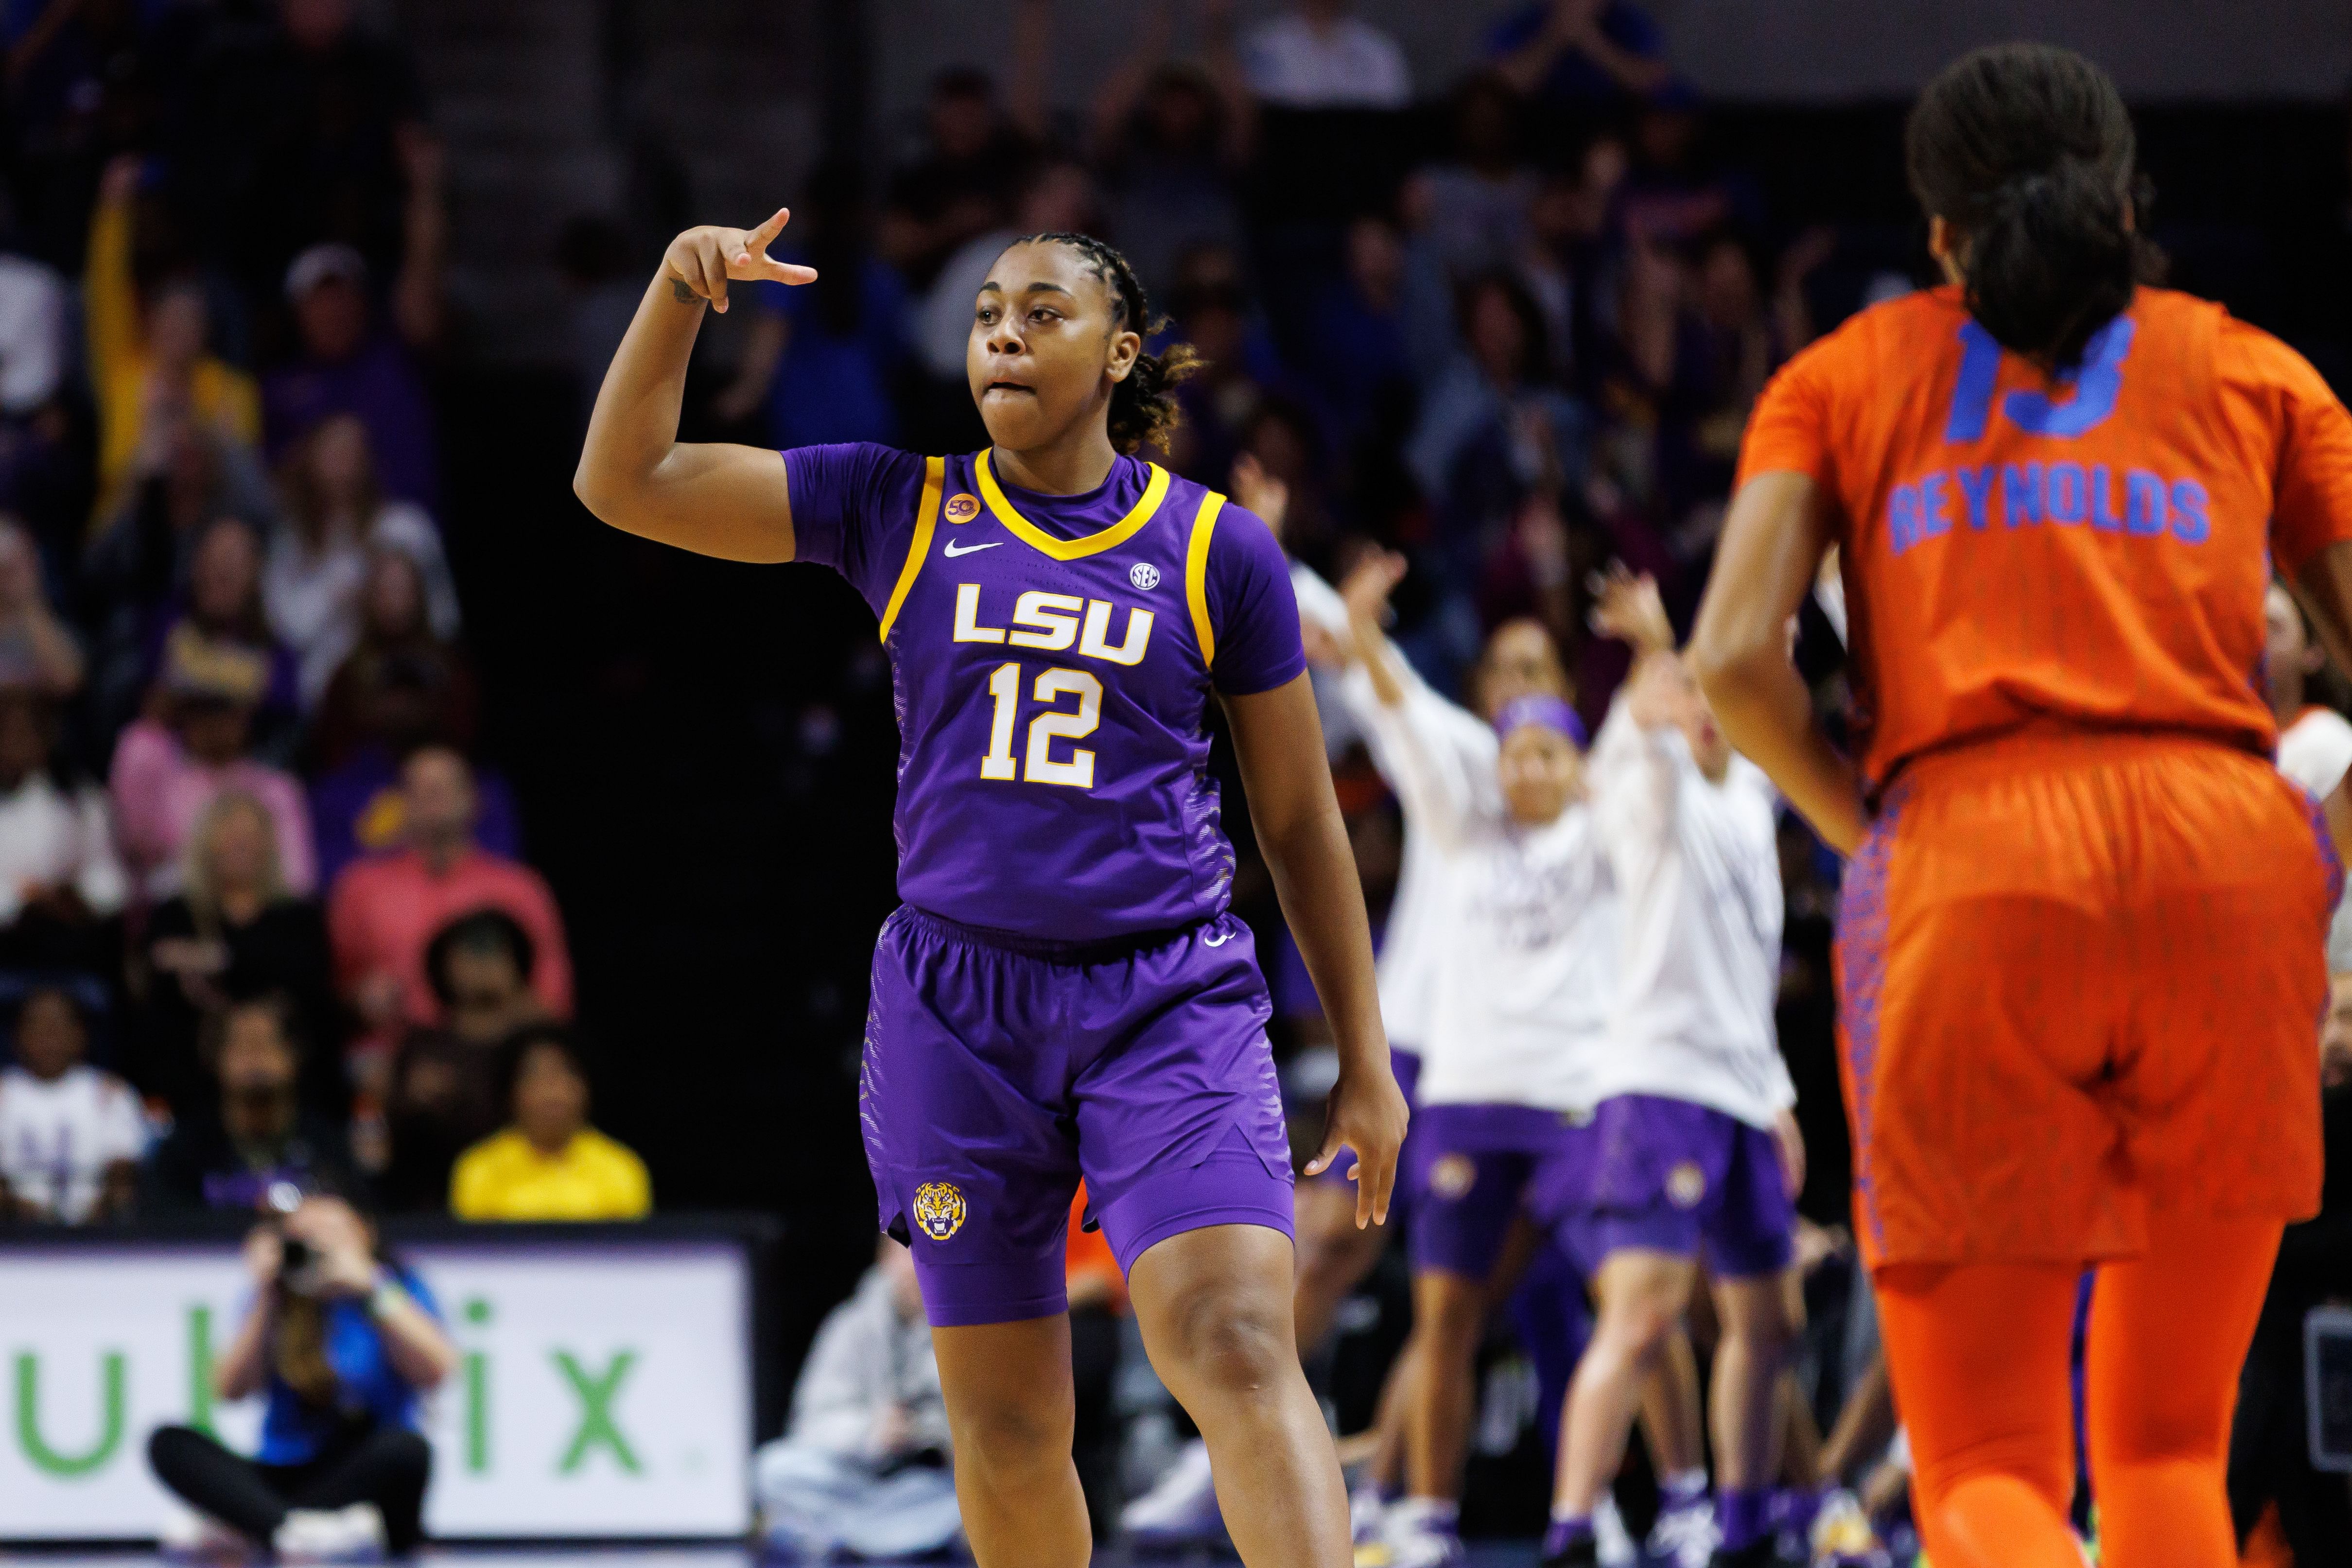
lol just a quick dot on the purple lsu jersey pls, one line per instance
(1052, 659)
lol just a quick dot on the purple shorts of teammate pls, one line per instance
(1477, 1165)
(1672, 1177)
(999, 1068)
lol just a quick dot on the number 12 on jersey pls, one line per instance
(1055, 723)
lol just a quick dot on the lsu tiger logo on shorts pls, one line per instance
(1453, 1177)
(939, 1209)
(962, 507)
(1685, 1185)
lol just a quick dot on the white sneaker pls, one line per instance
(1611, 1539)
(1366, 1515)
(1685, 1536)
(354, 1534)
(1417, 1539)
(187, 1533)
(1180, 1508)
(1843, 1536)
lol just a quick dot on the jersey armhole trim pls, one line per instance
(1196, 574)
(927, 517)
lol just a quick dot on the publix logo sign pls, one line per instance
(599, 1391)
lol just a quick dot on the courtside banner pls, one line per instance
(603, 1388)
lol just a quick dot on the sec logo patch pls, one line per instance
(1685, 1185)
(1453, 1176)
(1143, 574)
(962, 507)
(939, 1209)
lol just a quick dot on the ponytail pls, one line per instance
(2027, 151)
(1143, 407)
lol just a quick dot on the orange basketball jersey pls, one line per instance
(2090, 550)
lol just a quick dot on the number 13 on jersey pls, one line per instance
(1055, 723)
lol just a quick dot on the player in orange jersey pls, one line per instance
(2080, 953)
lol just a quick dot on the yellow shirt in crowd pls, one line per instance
(506, 1177)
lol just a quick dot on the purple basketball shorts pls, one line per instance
(1477, 1167)
(999, 1070)
(1670, 1176)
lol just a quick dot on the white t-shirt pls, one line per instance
(1698, 871)
(1349, 65)
(50, 839)
(57, 1139)
(2315, 751)
(1522, 923)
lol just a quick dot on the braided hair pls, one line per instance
(2028, 151)
(1143, 407)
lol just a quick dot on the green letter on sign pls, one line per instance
(29, 1419)
(596, 1411)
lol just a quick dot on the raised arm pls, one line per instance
(635, 473)
(1773, 543)
(1432, 753)
(1636, 773)
(1278, 742)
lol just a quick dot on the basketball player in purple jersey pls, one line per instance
(1063, 991)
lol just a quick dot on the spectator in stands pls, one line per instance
(1494, 427)
(445, 1089)
(1316, 55)
(1674, 192)
(862, 1469)
(224, 609)
(342, 1340)
(59, 875)
(1472, 212)
(398, 646)
(33, 352)
(549, 1164)
(147, 352)
(70, 1136)
(38, 650)
(1238, 367)
(821, 360)
(231, 933)
(136, 566)
(385, 909)
(168, 768)
(300, 127)
(1171, 137)
(1359, 353)
(257, 1136)
(333, 515)
(1567, 254)
(1585, 57)
(347, 367)
(975, 157)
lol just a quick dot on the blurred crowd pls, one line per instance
(263, 916)
(266, 914)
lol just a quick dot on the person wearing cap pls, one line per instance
(147, 354)
(169, 766)
(1696, 1148)
(349, 364)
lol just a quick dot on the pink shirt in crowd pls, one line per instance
(160, 791)
(385, 909)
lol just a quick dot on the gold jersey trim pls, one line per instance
(926, 519)
(1196, 574)
(1037, 539)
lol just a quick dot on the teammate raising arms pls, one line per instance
(1063, 990)
(2080, 955)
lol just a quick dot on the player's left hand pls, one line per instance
(1792, 1145)
(1366, 1113)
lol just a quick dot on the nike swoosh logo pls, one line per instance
(1218, 941)
(953, 552)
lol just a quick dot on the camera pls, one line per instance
(299, 1265)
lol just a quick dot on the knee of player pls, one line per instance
(1008, 1436)
(1232, 1339)
(1642, 1323)
(407, 1454)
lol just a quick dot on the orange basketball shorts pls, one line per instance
(2080, 980)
